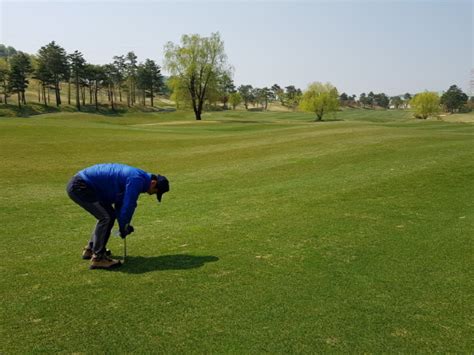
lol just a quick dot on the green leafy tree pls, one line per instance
(149, 79)
(214, 94)
(6, 52)
(363, 99)
(131, 70)
(470, 103)
(269, 96)
(53, 67)
(370, 99)
(143, 82)
(347, 100)
(4, 73)
(142, 78)
(97, 77)
(292, 97)
(278, 93)
(3, 51)
(256, 96)
(77, 63)
(120, 71)
(396, 101)
(88, 80)
(225, 88)
(34, 81)
(165, 90)
(155, 79)
(426, 104)
(235, 99)
(196, 64)
(246, 93)
(179, 92)
(263, 97)
(453, 99)
(320, 99)
(351, 100)
(112, 78)
(382, 100)
(93, 77)
(44, 79)
(343, 99)
(20, 69)
(407, 98)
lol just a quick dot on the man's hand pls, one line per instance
(128, 229)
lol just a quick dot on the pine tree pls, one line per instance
(4, 71)
(20, 69)
(52, 67)
(112, 78)
(453, 99)
(131, 69)
(77, 62)
(149, 79)
(119, 70)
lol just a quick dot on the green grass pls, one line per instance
(279, 235)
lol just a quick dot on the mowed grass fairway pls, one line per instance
(279, 235)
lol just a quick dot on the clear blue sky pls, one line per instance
(359, 46)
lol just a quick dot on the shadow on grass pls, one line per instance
(33, 109)
(120, 110)
(328, 120)
(244, 121)
(142, 264)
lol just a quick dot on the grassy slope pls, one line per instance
(34, 107)
(279, 235)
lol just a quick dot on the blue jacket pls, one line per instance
(118, 184)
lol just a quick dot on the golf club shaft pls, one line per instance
(124, 249)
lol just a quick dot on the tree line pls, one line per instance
(124, 79)
(200, 78)
(429, 104)
(201, 75)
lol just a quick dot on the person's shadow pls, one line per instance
(142, 264)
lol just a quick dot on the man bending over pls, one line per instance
(110, 192)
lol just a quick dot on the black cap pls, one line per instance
(163, 186)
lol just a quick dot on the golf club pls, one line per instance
(117, 234)
(124, 249)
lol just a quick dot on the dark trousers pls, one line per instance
(86, 197)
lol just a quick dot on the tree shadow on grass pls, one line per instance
(328, 120)
(142, 264)
(244, 121)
